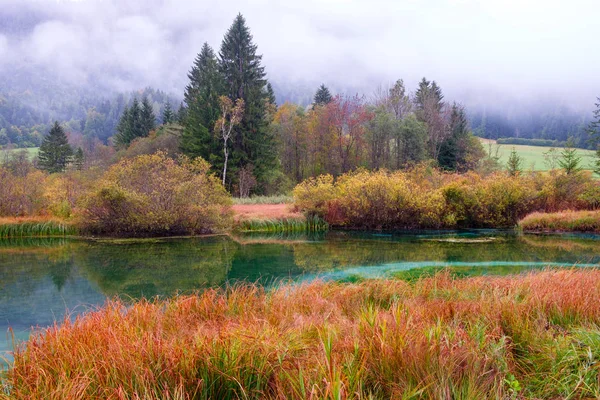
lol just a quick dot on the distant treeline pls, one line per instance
(532, 142)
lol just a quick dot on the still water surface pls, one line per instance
(42, 280)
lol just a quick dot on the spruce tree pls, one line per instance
(181, 113)
(514, 163)
(252, 144)
(594, 132)
(323, 96)
(147, 117)
(569, 160)
(55, 153)
(168, 116)
(453, 150)
(271, 95)
(202, 99)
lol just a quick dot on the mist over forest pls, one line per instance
(525, 74)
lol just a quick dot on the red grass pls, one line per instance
(437, 338)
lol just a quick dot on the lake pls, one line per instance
(42, 280)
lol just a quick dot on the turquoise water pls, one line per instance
(45, 280)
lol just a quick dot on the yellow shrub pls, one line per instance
(157, 195)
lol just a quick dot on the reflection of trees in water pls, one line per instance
(149, 269)
(339, 252)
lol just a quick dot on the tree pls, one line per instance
(168, 115)
(410, 142)
(323, 96)
(514, 163)
(594, 133)
(55, 153)
(231, 116)
(430, 108)
(453, 150)
(202, 108)
(240, 65)
(569, 160)
(147, 117)
(398, 100)
(271, 95)
(79, 159)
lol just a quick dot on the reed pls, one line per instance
(525, 336)
(284, 225)
(30, 227)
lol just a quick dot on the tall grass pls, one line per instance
(17, 228)
(276, 199)
(285, 225)
(567, 221)
(527, 336)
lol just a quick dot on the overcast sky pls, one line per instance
(521, 48)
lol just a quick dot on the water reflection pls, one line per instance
(42, 279)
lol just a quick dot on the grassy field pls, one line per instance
(518, 337)
(566, 221)
(533, 156)
(33, 151)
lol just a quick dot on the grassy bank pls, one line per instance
(527, 336)
(34, 227)
(566, 221)
(277, 199)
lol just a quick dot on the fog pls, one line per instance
(479, 51)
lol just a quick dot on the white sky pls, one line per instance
(520, 48)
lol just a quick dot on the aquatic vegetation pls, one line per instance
(34, 227)
(566, 221)
(284, 225)
(530, 336)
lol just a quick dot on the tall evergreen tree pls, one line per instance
(453, 150)
(135, 122)
(202, 99)
(55, 153)
(181, 113)
(271, 94)
(323, 96)
(168, 116)
(78, 159)
(148, 119)
(253, 143)
(594, 133)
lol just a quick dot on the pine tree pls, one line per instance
(252, 142)
(594, 132)
(168, 116)
(271, 95)
(202, 99)
(514, 163)
(79, 159)
(55, 153)
(147, 117)
(323, 96)
(453, 150)
(136, 121)
(569, 160)
(181, 113)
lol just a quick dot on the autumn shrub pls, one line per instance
(426, 198)
(565, 221)
(156, 195)
(21, 195)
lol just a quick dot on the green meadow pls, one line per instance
(32, 151)
(533, 156)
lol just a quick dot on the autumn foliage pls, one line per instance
(156, 195)
(425, 198)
